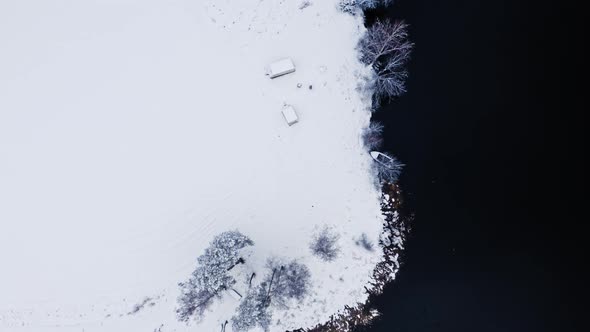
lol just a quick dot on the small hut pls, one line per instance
(290, 115)
(281, 67)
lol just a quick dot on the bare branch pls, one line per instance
(372, 136)
(386, 48)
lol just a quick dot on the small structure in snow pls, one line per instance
(290, 115)
(234, 294)
(281, 67)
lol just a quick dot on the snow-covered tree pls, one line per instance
(193, 301)
(253, 310)
(289, 280)
(368, 4)
(324, 245)
(386, 48)
(371, 136)
(282, 282)
(212, 274)
(353, 6)
(348, 6)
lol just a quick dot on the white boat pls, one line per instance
(383, 159)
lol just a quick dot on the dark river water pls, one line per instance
(472, 130)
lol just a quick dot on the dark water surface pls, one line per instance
(473, 131)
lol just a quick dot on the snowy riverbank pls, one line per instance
(132, 132)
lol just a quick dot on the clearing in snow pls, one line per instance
(132, 132)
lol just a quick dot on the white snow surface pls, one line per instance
(133, 131)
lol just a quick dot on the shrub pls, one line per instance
(324, 245)
(364, 242)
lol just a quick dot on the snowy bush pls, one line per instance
(211, 275)
(371, 136)
(289, 280)
(324, 245)
(305, 4)
(386, 48)
(389, 171)
(364, 242)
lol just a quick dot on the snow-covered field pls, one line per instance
(133, 131)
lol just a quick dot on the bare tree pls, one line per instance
(324, 245)
(386, 48)
(390, 79)
(390, 170)
(383, 39)
(371, 136)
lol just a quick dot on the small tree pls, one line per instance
(324, 245)
(386, 48)
(371, 136)
(253, 310)
(289, 280)
(389, 171)
(212, 274)
(284, 281)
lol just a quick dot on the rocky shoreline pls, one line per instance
(396, 227)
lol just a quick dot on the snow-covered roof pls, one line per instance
(281, 67)
(290, 115)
